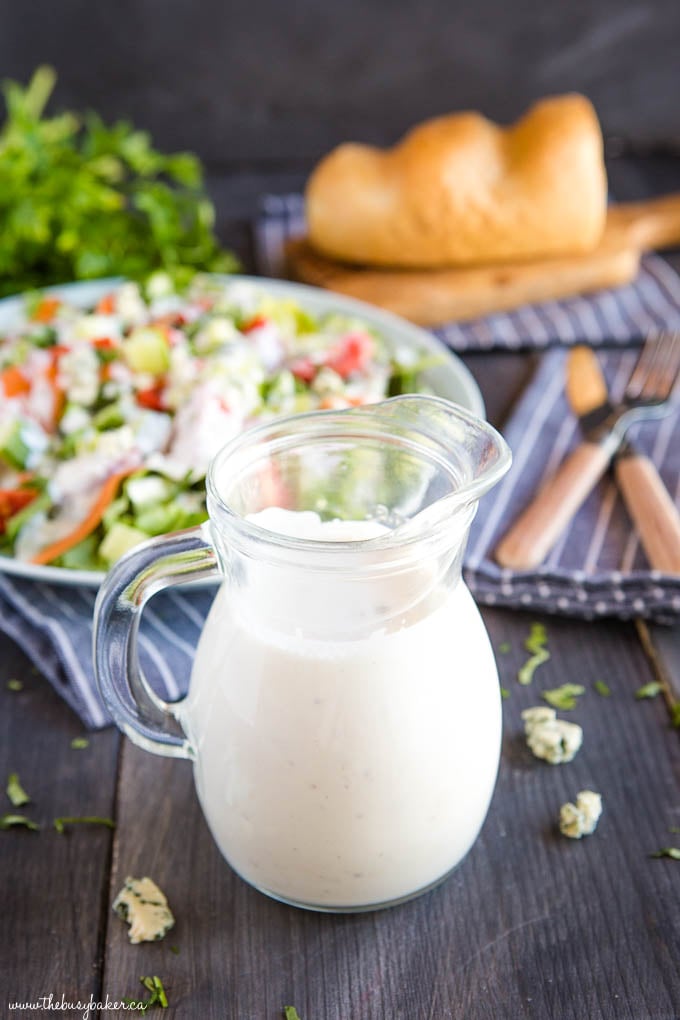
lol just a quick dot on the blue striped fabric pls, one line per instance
(620, 316)
(597, 568)
(53, 624)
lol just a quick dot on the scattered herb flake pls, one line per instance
(535, 644)
(16, 792)
(10, 821)
(675, 715)
(14, 685)
(601, 688)
(505, 693)
(290, 1013)
(504, 647)
(538, 637)
(668, 851)
(61, 823)
(649, 690)
(674, 828)
(174, 949)
(563, 697)
(157, 996)
(80, 743)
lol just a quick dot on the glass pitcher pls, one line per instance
(343, 715)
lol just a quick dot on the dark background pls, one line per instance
(261, 89)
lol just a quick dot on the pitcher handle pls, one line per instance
(159, 563)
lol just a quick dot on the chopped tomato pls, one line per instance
(255, 323)
(351, 354)
(14, 382)
(12, 501)
(46, 309)
(104, 343)
(303, 369)
(107, 305)
(151, 398)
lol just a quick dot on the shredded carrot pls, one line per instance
(106, 496)
(107, 304)
(46, 309)
(58, 394)
(14, 382)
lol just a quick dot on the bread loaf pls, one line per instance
(460, 190)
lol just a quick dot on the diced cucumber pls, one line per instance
(118, 508)
(217, 332)
(146, 350)
(288, 315)
(120, 539)
(157, 520)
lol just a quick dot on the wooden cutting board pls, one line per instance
(434, 296)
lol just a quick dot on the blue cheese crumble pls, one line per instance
(581, 818)
(549, 738)
(145, 908)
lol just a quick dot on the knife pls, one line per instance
(532, 536)
(647, 499)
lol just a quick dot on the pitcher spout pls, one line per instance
(469, 450)
(409, 463)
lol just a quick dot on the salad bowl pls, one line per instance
(290, 347)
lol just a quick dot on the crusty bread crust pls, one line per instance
(460, 190)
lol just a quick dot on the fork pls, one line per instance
(649, 394)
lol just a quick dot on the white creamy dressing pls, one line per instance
(342, 772)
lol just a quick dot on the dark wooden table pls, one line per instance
(530, 925)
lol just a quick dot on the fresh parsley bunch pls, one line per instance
(81, 200)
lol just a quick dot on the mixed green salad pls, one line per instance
(110, 415)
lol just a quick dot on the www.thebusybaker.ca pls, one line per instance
(49, 1002)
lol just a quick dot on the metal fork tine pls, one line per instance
(642, 367)
(656, 369)
(664, 372)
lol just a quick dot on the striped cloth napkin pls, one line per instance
(53, 624)
(597, 569)
(651, 302)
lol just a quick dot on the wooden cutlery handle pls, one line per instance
(656, 516)
(654, 223)
(536, 530)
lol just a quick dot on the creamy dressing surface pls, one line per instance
(344, 773)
